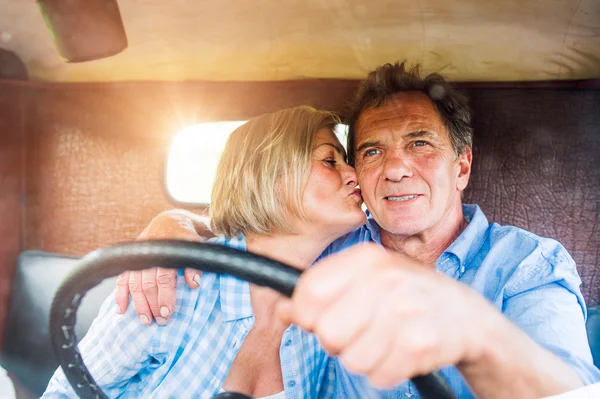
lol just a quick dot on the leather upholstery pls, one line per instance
(12, 159)
(93, 179)
(536, 165)
(28, 355)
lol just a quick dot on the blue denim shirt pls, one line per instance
(531, 280)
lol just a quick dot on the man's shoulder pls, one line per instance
(523, 243)
(360, 235)
(529, 260)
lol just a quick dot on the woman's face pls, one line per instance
(331, 200)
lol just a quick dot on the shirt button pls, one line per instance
(408, 395)
(292, 384)
(288, 342)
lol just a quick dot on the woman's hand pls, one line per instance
(153, 290)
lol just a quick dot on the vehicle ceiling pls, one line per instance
(468, 40)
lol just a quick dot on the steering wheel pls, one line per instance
(113, 260)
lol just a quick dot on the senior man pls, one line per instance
(497, 308)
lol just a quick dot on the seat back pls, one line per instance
(27, 352)
(593, 332)
(536, 166)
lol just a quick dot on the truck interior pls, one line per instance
(97, 98)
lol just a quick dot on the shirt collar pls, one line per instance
(234, 293)
(469, 242)
(373, 228)
(464, 248)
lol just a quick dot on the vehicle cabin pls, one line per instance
(106, 121)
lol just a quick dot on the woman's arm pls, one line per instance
(115, 349)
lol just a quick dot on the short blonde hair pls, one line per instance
(263, 170)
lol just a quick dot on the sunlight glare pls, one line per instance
(194, 156)
(193, 160)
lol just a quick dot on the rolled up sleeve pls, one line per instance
(114, 350)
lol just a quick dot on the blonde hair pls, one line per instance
(263, 170)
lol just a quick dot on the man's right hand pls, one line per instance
(153, 290)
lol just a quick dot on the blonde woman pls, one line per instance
(283, 190)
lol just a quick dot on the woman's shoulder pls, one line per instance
(237, 242)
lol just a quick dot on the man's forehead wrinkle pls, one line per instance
(412, 124)
(398, 118)
(373, 117)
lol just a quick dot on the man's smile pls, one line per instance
(401, 197)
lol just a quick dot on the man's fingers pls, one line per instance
(413, 351)
(167, 287)
(283, 309)
(122, 294)
(348, 315)
(192, 277)
(139, 299)
(371, 346)
(327, 281)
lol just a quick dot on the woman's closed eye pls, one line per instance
(330, 161)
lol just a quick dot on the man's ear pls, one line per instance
(464, 169)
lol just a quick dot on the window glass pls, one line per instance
(194, 156)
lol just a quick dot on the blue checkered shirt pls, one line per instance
(191, 356)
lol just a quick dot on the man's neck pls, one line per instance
(427, 246)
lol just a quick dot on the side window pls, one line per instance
(341, 131)
(194, 156)
(193, 160)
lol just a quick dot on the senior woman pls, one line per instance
(282, 190)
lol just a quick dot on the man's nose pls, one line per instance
(396, 167)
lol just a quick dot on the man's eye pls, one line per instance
(371, 152)
(420, 143)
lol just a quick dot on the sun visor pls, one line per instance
(84, 30)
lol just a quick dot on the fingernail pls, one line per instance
(197, 279)
(164, 311)
(161, 321)
(119, 309)
(144, 319)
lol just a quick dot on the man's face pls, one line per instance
(410, 178)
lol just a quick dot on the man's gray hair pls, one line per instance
(391, 79)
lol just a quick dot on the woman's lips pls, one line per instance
(356, 193)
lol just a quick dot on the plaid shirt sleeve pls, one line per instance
(114, 350)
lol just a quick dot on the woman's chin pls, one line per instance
(358, 219)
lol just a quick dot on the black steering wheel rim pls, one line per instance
(111, 261)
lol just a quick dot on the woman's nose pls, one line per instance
(350, 176)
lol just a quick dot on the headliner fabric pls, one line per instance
(536, 165)
(467, 40)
